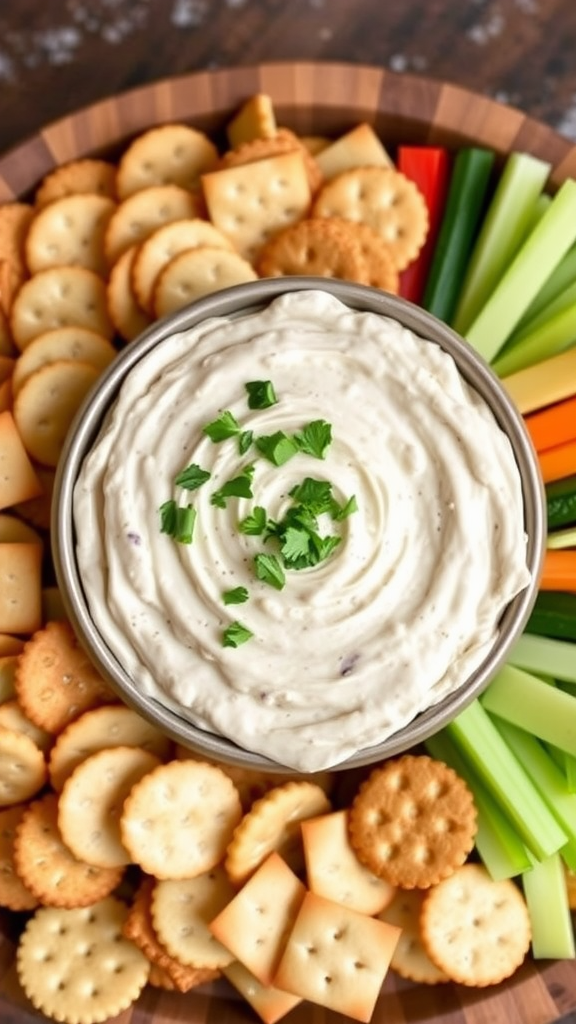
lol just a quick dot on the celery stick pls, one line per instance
(566, 763)
(541, 709)
(503, 230)
(533, 264)
(544, 654)
(546, 776)
(562, 539)
(548, 338)
(476, 736)
(499, 846)
(563, 276)
(559, 304)
(547, 901)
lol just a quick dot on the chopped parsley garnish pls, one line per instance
(255, 523)
(245, 440)
(261, 394)
(235, 635)
(239, 487)
(340, 512)
(236, 596)
(177, 521)
(225, 426)
(314, 495)
(315, 438)
(277, 448)
(192, 477)
(269, 569)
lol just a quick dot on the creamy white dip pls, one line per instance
(396, 618)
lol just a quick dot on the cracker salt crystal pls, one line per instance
(255, 925)
(337, 957)
(251, 202)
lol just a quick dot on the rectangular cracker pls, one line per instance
(18, 480)
(271, 1004)
(359, 147)
(20, 588)
(256, 923)
(251, 202)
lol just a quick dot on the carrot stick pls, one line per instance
(553, 426)
(559, 572)
(556, 463)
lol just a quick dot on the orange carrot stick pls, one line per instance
(553, 426)
(556, 463)
(559, 571)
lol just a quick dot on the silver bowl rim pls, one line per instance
(238, 301)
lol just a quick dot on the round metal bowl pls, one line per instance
(236, 302)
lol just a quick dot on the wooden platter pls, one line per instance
(312, 98)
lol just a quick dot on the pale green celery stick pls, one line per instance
(499, 846)
(538, 210)
(552, 337)
(563, 276)
(562, 539)
(476, 736)
(547, 901)
(504, 229)
(559, 304)
(526, 701)
(546, 776)
(537, 258)
(543, 654)
(566, 763)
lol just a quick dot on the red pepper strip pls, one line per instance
(429, 168)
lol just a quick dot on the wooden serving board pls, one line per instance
(311, 98)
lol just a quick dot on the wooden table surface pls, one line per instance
(58, 55)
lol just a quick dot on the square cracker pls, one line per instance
(251, 202)
(359, 147)
(337, 957)
(254, 120)
(256, 923)
(20, 588)
(271, 1004)
(18, 481)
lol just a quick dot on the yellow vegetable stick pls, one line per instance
(542, 384)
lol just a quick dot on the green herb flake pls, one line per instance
(315, 438)
(178, 521)
(261, 394)
(236, 596)
(314, 495)
(235, 635)
(278, 448)
(269, 570)
(255, 523)
(296, 544)
(192, 477)
(220, 429)
(340, 512)
(239, 487)
(245, 440)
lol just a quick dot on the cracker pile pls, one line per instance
(135, 862)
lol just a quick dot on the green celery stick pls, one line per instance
(561, 302)
(478, 739)
(464, 204)
(549, 337)
(561, 539)
(549, 910)
(566, 763)
(563, 276)
(505, 226)
(538, 210)
(532, 265)
(543, 654)
(499, 846)
(546, 776)
(531, 704)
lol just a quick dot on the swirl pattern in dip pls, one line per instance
(403, 610)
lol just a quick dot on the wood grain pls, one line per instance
(319, 98)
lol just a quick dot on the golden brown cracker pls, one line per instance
(197, 795)
(22, 768)
(254, 120)
(12, 717)
(13, 892)
(413, 821)
(47, 867)
(270, 1004)
(283, 141)
(142, 212)
(55, 680)
(37, 511)
(46, 404)
(410, 960)
(312, 246)
(20, 587)
(70, 232)
(69, 343)
(359, 147)
(18, 478)
(197, 272)
(474, 929)
(89, 175)
(181, 913)
(60, 297)
(168, 154)
(126, 314)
